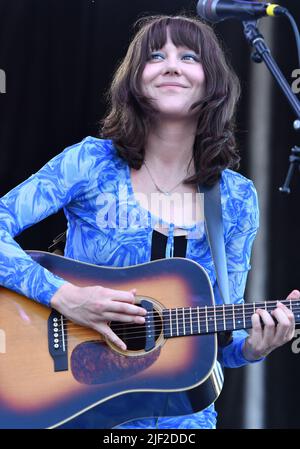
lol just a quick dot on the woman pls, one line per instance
(171, 127)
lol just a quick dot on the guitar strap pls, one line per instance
(213, 220)
(214, 229)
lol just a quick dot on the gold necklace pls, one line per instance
(165, 192)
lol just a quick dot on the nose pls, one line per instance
(172, 67)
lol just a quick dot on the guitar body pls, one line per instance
(88, 383)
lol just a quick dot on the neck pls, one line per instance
(170, 144)
(180, 322)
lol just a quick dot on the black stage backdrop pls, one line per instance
(59, 56)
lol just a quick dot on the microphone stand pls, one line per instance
(263, 53)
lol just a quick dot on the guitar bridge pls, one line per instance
(149, 325)
(57, 341)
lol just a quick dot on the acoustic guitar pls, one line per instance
(55, 373)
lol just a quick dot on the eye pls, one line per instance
(190, 57)
(155, 56)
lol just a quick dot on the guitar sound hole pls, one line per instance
(134, 335)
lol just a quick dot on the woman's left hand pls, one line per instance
(263, 339)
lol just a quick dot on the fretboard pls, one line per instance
(186, 321)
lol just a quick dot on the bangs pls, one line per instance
(183, 32)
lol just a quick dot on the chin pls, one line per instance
(174, 114)
(174, 109)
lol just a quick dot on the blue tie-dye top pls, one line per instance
(107, 226)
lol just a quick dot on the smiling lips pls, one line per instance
(171, 84)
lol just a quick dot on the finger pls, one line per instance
(283, 327)
(256, 331)
(107, 333)
(295, 294)
(129, 309)
(110, 316)
(269, 327)
(287, 311)
(121, 295)
(291, 317)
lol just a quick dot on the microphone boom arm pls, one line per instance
(256, 40)
(263, 53)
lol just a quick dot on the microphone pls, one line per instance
(217, 10)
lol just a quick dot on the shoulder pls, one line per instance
(239, 196)
(236, 182)
(91, 147)
(85, 156)
(82, 162)
(237, 187)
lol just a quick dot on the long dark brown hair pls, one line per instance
(129, 117)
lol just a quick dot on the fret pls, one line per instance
(187, 320)
(194, 321)
(296, 304)
(228, 317)
(244, 318)
(239, 316)
(170, 317)
(206, 319)
(191, 321)
(219, 318)
(198, 313)
(167, 320)
(174, 323)
(181, 322)
(272, 307)
(233, 317)
(177, 327)
(215, 319)
(211, 321)
(224, 319)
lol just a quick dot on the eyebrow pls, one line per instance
(180, 48)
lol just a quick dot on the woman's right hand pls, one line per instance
(96, 306)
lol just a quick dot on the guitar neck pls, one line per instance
(187, 321)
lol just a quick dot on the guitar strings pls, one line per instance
(138, 330)
(223, 310)
(140, 334)
(137, 335)
(228, 309)
(217, 315)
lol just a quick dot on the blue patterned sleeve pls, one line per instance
(238, 251)
(44, 193)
